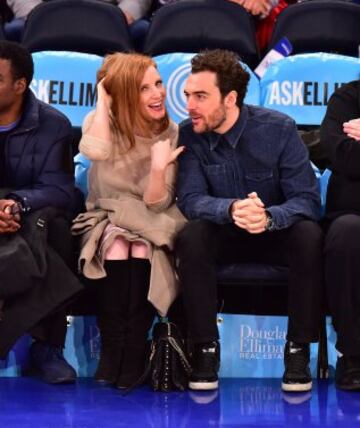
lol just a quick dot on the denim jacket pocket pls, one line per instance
(217, 177)
(262, 182)
(259, 175)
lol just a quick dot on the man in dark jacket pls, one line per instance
(247, 187)
(340, 138)
(37, 199)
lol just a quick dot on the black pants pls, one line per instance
(201, 245)
(342, 279)
(52, 329)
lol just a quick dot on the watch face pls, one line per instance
(15, 209)
(270, 223)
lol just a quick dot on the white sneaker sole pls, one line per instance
(296, 387)
(204, 386)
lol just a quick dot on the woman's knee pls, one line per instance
(139, 250)
(118, 250)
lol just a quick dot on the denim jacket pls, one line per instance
(261, 153)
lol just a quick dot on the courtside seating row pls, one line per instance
(254, 288)
(257, 289)
(299, 86)
(91, 26)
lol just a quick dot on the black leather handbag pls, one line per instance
(168, 367)
(169, 363)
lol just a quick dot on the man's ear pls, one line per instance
(20, 86)
(230, 99)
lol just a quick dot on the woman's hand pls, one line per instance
(99, 127)
(162, 154)
(255, 7)
(103, 97)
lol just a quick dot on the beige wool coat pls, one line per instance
(117, 182)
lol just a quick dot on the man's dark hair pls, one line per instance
(230, 75)
(22, 65)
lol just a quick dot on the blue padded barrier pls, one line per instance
(301, 85)
(67, 81)
(251, 346)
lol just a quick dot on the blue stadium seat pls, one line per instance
(301, 85)
(320, 26)
(67, 81)
(81, 26)
(191, 26)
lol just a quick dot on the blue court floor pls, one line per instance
(28, 403)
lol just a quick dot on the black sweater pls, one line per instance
(343, 152)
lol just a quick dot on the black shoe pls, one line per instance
(140, 316)
(113, 300)
(112, 327)
(347, 374)
(297, 377)
(109, 365)
(48, 363)
(133, 365)
(205, 361)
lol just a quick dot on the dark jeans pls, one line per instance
(342, 277)
(201, 245)
(52, 329)
(138, 31)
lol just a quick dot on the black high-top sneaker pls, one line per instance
(297, 377)
(205, 361)
(347, 374)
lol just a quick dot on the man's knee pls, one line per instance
(195, 231)
(344, 234)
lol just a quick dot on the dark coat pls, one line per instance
(343, 195)
(34, 279)
(38, 158)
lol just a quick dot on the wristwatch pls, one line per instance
(270, 225)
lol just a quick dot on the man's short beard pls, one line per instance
(216, 119)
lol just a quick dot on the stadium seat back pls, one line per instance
(320, 26)
(81, 26)
(191, 26)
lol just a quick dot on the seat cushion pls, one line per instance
(232, 273)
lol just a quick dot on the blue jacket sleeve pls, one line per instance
(53, 184)
(298, 183)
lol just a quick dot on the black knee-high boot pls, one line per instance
(113, 301)
(140, 317)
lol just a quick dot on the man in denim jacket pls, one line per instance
(246, 185)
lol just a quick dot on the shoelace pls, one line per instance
(298, 361)
(205, 361)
